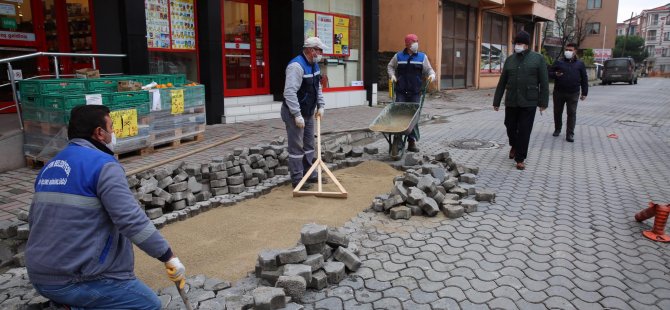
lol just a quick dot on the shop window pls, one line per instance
(16, 22)
(494, 43)
(338, 23)
(171, 37)
(592, 28)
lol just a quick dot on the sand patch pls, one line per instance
(224, 243)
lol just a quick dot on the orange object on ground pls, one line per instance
(657, 233)
(613, 136)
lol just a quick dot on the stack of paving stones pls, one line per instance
(431, 185)
(323, 256)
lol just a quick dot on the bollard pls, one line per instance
(646, 213)
(658, 231)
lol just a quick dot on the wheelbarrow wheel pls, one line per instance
(396, 147)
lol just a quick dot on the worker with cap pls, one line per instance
(525, 83)
(406, 70)
(303, 102)
(84, 221)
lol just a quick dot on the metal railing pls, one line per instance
(57, 74)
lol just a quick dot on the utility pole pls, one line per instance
(625, 39)
(602, 52)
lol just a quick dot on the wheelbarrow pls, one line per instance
(396, 121)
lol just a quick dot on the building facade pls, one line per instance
(466, 41)
(655, 28)
(238, 48)
(599, 23)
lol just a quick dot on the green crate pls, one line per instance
(166, 97)
(36, 87)
(121, 98)
(66, 101)
(32, 113)
(32, 101)
(56, 116)
(105, 85)
(175, 79)
(194, 96)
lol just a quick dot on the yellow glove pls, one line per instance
(176, 271)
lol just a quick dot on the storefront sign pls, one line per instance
(182, 23)
(238, 46)
(7, 9)
(17, 36)
(177, 101)
(324, 30)
(125, 123)
(341, 36)
(602, 54)
(158, 23)
(310, 25)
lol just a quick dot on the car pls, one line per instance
(619, 70)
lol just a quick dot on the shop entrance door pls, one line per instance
(245, 40)
(458, 45)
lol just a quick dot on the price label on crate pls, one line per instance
(177, 101)
(125, 123)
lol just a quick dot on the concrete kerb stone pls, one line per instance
(350, 260)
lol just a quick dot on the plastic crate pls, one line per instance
(194, 95)
(37, 87)
(32, 113)
(166, 97)
(175, 79)
(102, 85)
(31, 100)
(141, 107)
(122, 98)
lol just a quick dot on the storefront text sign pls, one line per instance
(125, 123)
(177, 101)
(324, 30)
(7, 9)
(602, 54)
(17, 36)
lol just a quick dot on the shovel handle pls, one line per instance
(183, 296)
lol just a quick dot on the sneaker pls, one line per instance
(557, 133)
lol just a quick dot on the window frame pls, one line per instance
(594, 4)
(589, 29)
(504, 41)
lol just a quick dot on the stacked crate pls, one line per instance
(138, 124)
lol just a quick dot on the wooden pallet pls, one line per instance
(43, 128)
(35, 163)
(183, 139)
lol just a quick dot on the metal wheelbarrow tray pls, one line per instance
(395, 122)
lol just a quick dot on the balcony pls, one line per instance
(537, 10)
(651, 38)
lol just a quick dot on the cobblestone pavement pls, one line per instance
(561, 233)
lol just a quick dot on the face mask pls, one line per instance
(518, 48)
(568, 54)
(112, 143)
(414, 47)
(318, 58)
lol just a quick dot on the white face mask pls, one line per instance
(519, 48)
(414, 47)
(318, 58)
(568, 54)
(112, 143)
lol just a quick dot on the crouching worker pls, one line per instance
(84, 220)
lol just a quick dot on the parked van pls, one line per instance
(619, 70)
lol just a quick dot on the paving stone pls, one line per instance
(8, 229)
(450, 183)
(281, 170)
(194, 186)
(485, 195)
(462, 193)
(236, 189)
(401, 212)
(293, 255)
(337, 238)
(294, 286)
(371, 150)
(251, 182)
(401, 190)
(335, 271)
(468, 178)
(300, 270)
(415, 196)
(453, 211)
(218, 191)
(327, 252)
(22, 232)
(268, 259)
(429, 206)
(319, 280)
(315, 261)
(469, 205)
(271, 276)
(313, 233)
(268, 298)
(416, 210)
(351, 260)
(357, 151)
(180, 177)
(158, 202)
(413, 159)
(410, 180)
(315, 248)
(178, 187)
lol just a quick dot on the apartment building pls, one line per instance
(631, 25)
(655, 28)
(599, 18)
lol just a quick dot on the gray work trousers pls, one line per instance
(300, 145)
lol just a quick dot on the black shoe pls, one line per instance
(570, 138)
(556, 133)
(411, 146)
(316, 179)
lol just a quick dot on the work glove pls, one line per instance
(431, 78)
(319, 113)
(176, 271)
(393, 78)
(299, 121)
